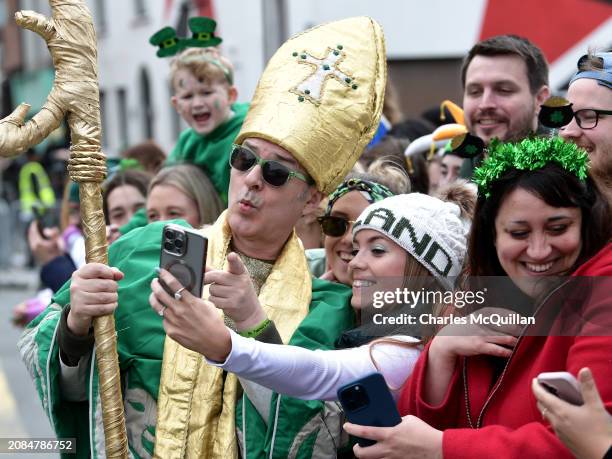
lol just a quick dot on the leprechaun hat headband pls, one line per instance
(321, 96)
(203, 36)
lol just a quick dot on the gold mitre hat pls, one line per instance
(321, 96)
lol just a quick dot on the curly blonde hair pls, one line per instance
(206, 64)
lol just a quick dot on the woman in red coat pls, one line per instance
(538, 214)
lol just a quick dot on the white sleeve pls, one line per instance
(317, 375)
(77, 252)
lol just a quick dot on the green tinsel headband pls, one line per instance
(529, 154)
(374, 192)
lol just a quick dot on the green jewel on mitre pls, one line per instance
(203, 30)
(169, 44)
(529, 154)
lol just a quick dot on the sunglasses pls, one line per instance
(273, 172)
(334, 226)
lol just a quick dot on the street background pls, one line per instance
(21, 413)
(426, 42)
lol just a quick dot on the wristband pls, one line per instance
(253, 332)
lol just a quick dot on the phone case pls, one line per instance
(183, 254)
(45, 218)
(563, 385)
(368, 402)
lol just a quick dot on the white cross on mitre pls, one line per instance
(313, 86)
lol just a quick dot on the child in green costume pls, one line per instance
(205, 97)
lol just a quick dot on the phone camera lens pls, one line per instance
(355, 398)
(178, 243)
(169, 234)
(168, 246)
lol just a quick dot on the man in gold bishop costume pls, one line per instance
(316, 107)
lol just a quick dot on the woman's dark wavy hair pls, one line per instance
(557, 188)
(132, 177)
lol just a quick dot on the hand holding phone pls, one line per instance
(183, 254)
(45, 218)
(368, 402)
(563, 385)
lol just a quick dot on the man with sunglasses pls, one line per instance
(590, 93)
(315, 109)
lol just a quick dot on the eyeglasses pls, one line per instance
(273, 172)
(587, 118)
(334, 226)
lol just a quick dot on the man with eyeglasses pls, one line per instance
(315, 109)
(590, 92)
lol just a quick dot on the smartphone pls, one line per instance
(45, 218)
(183, 254)
(368, 402)
(563, 385)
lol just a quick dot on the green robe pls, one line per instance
(211, 152)
(140, 344)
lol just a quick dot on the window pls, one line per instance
(140, 8)
(3, 15)
(100, 16)
(145, 103)
(123, 118)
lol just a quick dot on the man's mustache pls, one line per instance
(250, 196)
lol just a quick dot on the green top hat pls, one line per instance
(169, 44)
(203, 29)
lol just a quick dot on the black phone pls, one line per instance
(45, 218)
(368, 402)
(183, 254)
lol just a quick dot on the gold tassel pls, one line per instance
(454, 109)
(409, 166)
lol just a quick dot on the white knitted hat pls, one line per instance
(431, 230)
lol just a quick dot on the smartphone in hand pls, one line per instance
(368, 402)
(45, 218)
(563, 385)
(183, 254)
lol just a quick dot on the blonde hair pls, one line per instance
(196, 185)
(388, 173)
(462, 193)
(412, 269)
(206, 64)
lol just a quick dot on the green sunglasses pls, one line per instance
(273, 172)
